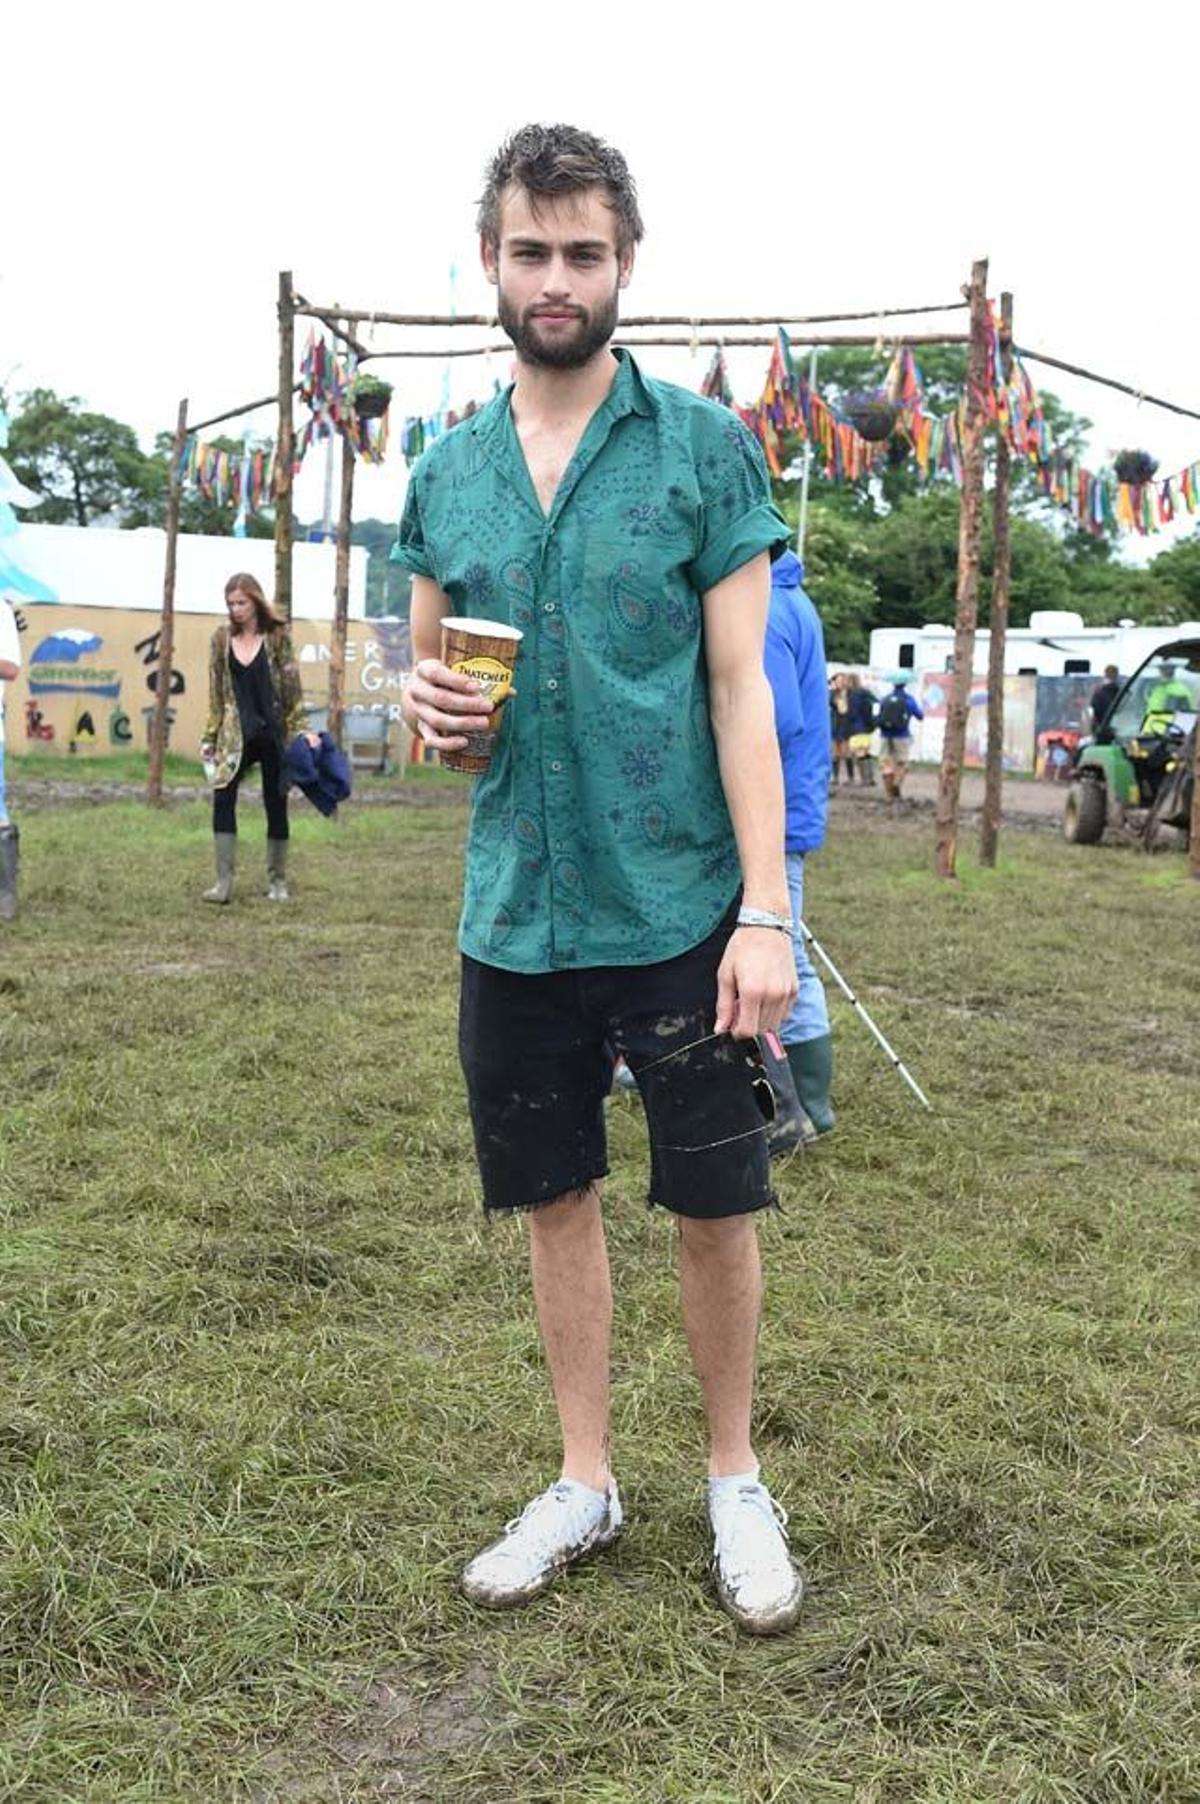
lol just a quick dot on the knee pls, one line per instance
(717, 1239)
(574, 1212)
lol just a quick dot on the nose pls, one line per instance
(556, 283)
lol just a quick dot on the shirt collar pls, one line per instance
(628, 394)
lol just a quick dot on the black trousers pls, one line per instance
(264, 751)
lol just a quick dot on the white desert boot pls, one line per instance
(758, 1582)
(560, 1526)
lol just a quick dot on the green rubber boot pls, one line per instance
(224, 849)
(10, 858)
(277, 889)
(812, 1067)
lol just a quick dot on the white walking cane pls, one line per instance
(852, 999)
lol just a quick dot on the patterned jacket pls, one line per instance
(223, 729)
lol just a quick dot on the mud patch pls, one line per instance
(389, 1743)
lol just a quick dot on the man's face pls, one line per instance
(558, 275)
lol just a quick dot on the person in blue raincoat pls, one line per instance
(795, 664)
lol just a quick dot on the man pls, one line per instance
(625, 884)
(1104, 695)
(10, 664)
(795, 665)
(1167, 697)
(896, 709)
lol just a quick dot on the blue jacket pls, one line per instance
(322, 772)
(795, 665)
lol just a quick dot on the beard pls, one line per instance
(570, 352)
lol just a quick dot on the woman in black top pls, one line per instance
(255, 709)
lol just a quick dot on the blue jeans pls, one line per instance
(809, 1018)
(3, 804)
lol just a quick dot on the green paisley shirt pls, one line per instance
(600, 834)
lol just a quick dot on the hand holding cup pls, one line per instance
(475, 675)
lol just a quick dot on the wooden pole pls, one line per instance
(967, 594)
(285, 447)
(166, 630)
(341, 595)
(726, 339)
(1195, 805)
(305, 306)
(998, 620)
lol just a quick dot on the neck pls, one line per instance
(549, 394)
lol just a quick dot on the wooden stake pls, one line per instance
(166, 630)
(998, 623)
(1195, 805)
(967, 594)
(285, 447)
(341, 596)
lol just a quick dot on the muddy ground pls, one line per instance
(1026, 803)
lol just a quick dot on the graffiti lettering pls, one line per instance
(151, 650)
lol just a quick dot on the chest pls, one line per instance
(548, 450)
(243, 651)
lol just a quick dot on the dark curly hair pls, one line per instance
(548, 160)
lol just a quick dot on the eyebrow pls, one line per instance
(574, 244)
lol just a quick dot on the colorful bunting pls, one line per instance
(245, 477)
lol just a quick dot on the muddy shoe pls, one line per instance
(758, 1582)
(561, 1526)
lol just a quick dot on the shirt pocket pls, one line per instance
(639, 604)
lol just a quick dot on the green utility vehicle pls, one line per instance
(1135, 778)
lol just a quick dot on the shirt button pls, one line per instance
(550, 607)
(552, 684)
(556, 765)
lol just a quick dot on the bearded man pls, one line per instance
(625, 884)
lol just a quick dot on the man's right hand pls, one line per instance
(442, 703)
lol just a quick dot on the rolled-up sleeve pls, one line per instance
(738, 518)
(409, 550)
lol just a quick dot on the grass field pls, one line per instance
(266, 1379)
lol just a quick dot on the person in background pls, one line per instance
(255, 708)
(795, 664)
(1166, 698)
(10, 664)
(839, 725)
(862, 728)
(1104, 695)
(896, 710)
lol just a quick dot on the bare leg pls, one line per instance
(720, 1276)
(571, 1287)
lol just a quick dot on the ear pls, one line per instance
(625, 265)
(489, 257)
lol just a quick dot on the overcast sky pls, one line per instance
(162, 166)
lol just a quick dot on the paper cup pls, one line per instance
(486, 650)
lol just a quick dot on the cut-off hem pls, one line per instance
(770, 1201)
(570, 1193)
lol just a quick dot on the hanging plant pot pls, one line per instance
(1135, 466)
(370, 397)
(872, 416)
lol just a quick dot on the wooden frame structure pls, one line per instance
(340, 322)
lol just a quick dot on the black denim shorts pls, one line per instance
(537, 1054)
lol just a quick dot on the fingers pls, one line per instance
(727, 997)
(756, 984)
(445, 703)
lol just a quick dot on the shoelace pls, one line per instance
(554, 1501)
(764, 1529)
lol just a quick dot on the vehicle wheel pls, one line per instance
(1085, 812)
